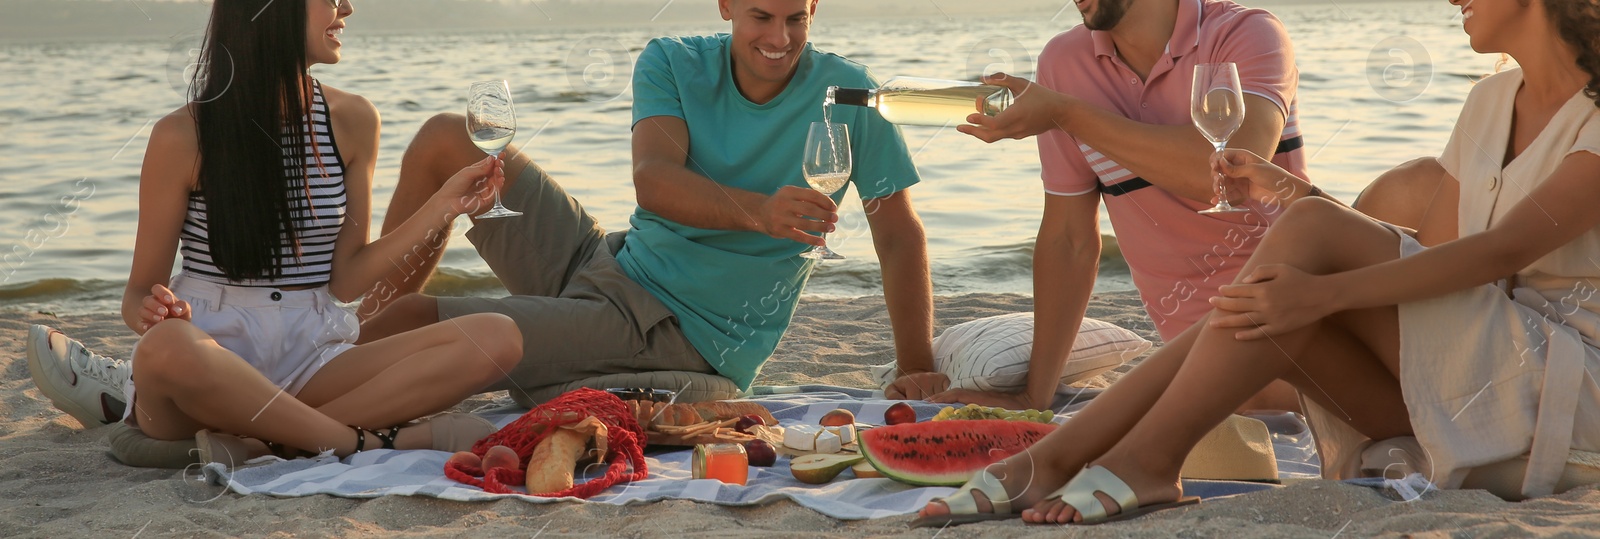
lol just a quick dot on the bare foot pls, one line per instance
(1022, 472)
(1150, 490)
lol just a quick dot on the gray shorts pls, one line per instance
(580, 315)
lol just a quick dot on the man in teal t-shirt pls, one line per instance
(708, 277)
(719, 127)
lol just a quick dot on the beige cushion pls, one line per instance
(132, 447)
(991, 354)
(691, 386)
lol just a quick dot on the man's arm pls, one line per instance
(665, 186)
(1173, 157)
(902, 248)
(1066, 261)
(1182, 165)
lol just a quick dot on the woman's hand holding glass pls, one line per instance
(1247, 176)
(474, 189)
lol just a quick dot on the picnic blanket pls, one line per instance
(372, 474)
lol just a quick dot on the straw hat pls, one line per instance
(1239, 449)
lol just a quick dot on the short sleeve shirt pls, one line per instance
(734, 292)
(1178, 257)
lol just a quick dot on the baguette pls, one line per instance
(550, 468)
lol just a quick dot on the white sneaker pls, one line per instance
(79, 382)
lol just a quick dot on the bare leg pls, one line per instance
(188, 382)
(1418, 195)
(1222, 372)
(440, 149)
(1278, 395)
(1032, 474)
(433, 368)
(409, 312)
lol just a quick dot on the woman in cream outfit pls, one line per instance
(1483, 348)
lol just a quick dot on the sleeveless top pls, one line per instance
(318, 212)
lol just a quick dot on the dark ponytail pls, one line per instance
(249, 101)
(1579, 24)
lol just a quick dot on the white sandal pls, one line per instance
(964, 508)
(1079, 493)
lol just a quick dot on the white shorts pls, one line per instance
(287, 335)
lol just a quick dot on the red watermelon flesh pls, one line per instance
(946, 453)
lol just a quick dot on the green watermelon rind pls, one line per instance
(951, 479)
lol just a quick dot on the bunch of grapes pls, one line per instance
(973, 411)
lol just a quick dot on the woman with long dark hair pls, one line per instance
(1483, 348)
(264, 181)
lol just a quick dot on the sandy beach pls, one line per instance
(57, 481)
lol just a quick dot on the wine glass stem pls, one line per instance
(1222, 193)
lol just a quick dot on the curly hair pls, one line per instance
(1579, 24)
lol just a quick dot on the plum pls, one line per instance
(760, 453)
(746, 422)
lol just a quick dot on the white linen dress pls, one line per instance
(1505, 370)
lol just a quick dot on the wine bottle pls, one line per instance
(918, 101)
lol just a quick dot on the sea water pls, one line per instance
(1379, 84)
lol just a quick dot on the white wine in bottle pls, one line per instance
(917, 101)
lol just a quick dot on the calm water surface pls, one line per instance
(1380, 84)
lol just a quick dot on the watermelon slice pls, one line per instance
(946, 453)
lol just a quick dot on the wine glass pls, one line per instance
(826, 166)
(491, 123)
(1217, 107)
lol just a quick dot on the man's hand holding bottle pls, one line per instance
(1034, 110)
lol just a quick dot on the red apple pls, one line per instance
(900, 413)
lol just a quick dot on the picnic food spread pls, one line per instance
(730, 436)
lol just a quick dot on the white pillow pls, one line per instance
(991, 354)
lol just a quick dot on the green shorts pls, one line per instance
(581, 316)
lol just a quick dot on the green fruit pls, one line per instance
(864, 470)
(821, 468)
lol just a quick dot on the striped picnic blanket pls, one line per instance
(372, 474)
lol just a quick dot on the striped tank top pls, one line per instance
(317, 221)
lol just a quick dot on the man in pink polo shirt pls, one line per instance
(1111, 109)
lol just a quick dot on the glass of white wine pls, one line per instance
(826, 166)
(491, 123)
(1216, 105)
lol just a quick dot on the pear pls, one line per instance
(821, 468)
(864, 470)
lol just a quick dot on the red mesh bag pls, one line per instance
(625, 444)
